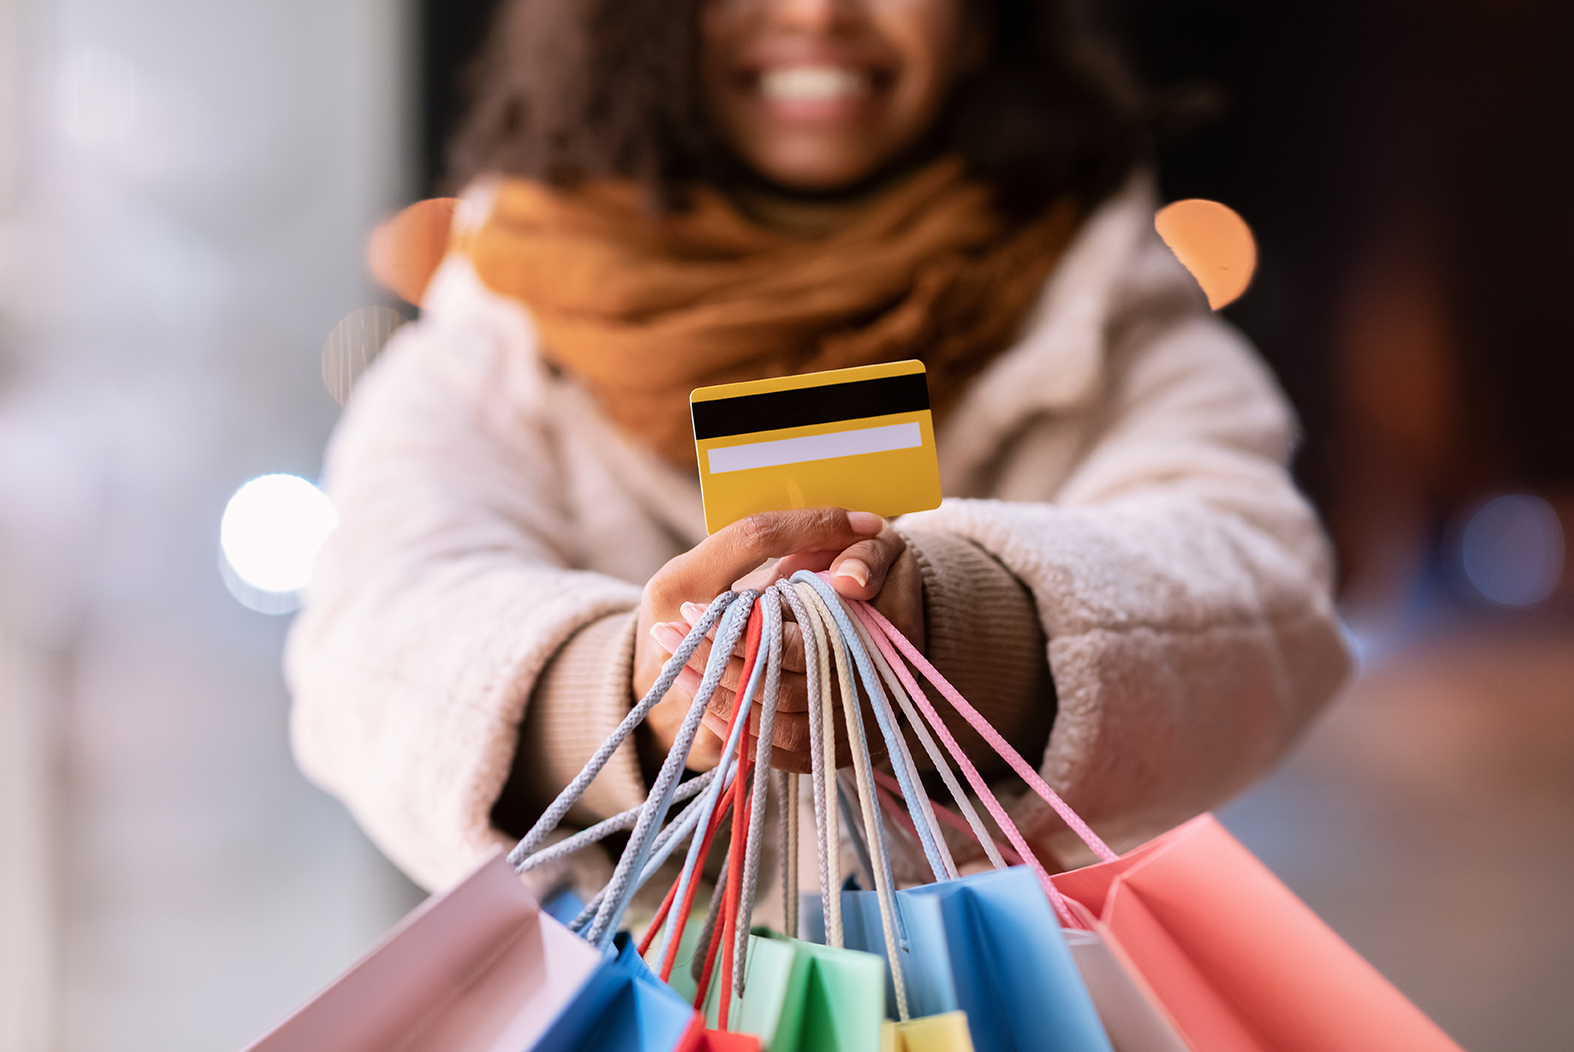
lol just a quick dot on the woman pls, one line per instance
(663, 195)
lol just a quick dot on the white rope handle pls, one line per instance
(890, 921)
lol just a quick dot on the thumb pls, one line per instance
(859, 571)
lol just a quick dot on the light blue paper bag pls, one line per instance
(989, 942)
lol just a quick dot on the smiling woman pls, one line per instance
(661, 196)
(814, 96)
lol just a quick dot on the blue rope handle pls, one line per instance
(882, 713)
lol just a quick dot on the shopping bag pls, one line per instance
(1241, 964)
(479, 967)
(990, 945)
(701, 1039)
(936, 1033)
(799, 995)
(622, 1007)
(926, 965)
(834, 1001)
(1132, 1015)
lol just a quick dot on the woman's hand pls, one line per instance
(867, 560)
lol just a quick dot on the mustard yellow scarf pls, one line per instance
(643, 309)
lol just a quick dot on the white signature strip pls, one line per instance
(815, 447)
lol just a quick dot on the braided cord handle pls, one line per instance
(886, 635)
(771, 604)
(940, 862)
(822, 740)
(885, 886)
(553, 815)
(683, 890)
(620, 890)
(992, 736)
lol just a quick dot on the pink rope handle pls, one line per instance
(992, 736)
(946, 816)
(879, 629)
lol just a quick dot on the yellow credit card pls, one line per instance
(856, 438)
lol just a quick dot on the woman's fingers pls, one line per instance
(792, 649)
(814, 562)
(859, 571)
(669, 635)
(789, 734)
(715, 563)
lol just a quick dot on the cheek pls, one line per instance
(927, 34)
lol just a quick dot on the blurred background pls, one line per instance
(185, 193)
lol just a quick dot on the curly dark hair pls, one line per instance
(566, 90)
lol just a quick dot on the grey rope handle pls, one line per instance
(787, 850)
(605, 828)
(811, 664)
(883, 717)
(892, 924)
(667, 842)
(828, 838)
(731, 752)
(770, 606)
(574, 790)
(621, 888)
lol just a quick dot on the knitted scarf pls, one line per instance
(642, 309)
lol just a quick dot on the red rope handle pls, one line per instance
(727, 922)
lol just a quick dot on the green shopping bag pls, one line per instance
(800, 997)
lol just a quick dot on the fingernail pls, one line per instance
(692, 612)
(688, 681)
(857, 569)
(866, 522)
(666, 636)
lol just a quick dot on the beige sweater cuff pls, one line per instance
(579, 699)
(982, 633)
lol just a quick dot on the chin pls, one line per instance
(815, 164)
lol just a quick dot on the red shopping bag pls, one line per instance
(475, 969)
(701, 1040)
(1240, 963)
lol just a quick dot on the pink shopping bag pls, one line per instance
(477, 969)
(1239, 962)
(1235, 959)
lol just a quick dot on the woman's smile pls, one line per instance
(819, 95)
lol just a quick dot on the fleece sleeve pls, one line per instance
(444, 593)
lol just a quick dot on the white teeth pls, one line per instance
(813, 83)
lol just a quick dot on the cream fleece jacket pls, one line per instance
(1124, 463)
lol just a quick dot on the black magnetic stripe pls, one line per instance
(805, 406)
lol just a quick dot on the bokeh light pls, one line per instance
(1512, 550)
(1212, 242)
(270, 534)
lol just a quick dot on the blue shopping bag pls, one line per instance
(623, 1007)
(990, 943)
